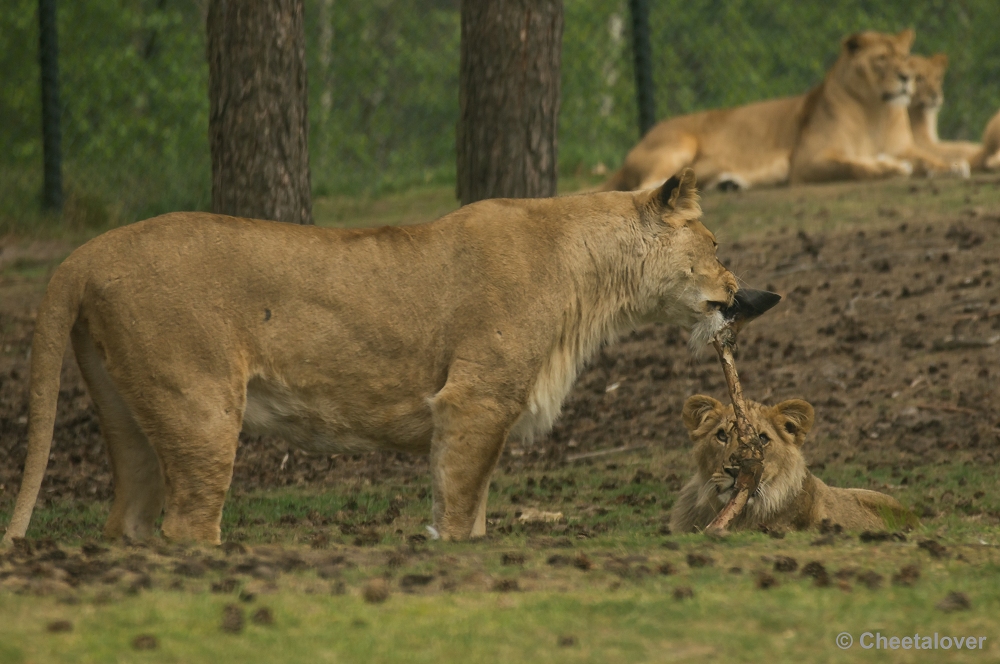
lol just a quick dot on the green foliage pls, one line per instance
(383, 86)
(133, 79)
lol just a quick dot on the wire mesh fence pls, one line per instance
(383, 87)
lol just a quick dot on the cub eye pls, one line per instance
(721, 436)
(764, 438)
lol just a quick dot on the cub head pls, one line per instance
(683, 280)
(782, 428)
(928, 90)
(876, 67)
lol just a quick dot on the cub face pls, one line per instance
(782, 428)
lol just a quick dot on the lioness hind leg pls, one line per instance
(139, 487)
(195, 438)
(469, 434)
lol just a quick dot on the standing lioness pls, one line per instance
(443, 338)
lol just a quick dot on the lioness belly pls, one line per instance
(313, 421)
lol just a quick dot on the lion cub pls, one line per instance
(789, 496)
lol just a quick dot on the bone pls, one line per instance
(749, 456)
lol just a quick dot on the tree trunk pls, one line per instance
(258, 128)
(643, 54)
(48, 58)
(508, 98)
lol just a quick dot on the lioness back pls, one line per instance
(737, 147)
(789, 496)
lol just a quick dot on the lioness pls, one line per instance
(928, 95)
(789, 496)
(991, 145)
(440, 339)
(860, 106)
(857, 126)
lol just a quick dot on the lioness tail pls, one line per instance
(56, 317)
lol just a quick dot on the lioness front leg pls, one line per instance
(469, 434)
(835, 167)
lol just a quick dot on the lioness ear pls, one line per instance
(905, 39)
(679, 192)
(697, 408)
(852, 43)
(940, 60)
(796, 417)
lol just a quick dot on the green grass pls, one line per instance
(622, 609)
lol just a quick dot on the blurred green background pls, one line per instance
(383, 86)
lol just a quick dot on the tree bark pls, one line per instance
(508, 98)
(258, 126)
(48, 58)
(643, 53)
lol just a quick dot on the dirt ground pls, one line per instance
(890, 326)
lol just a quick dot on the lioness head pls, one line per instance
(929, 80)
(782, 429)
(690, 287)
(877, 68)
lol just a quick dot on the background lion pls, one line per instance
(857, 126)
(928, 96)
(853, 125)
(789, 496)
(991, 144)
(441, 339)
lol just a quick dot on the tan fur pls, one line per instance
(991, 145)
(739, 147)
(789, 497)
(439, 339)
(858, 127)
(928, 96)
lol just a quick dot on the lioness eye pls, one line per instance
(721, 436)
(764, 439)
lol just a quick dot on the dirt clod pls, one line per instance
(512, 559)
(955, 601)
(871, 578)
(57, 626)
(699, 560)
(505, 585)
(375, 591)
(233, 620)
(785, 564)
(907, 576)
(933, 547)
(145, 642)
(766, 581)
(566, 641)
(412, 581)
(582, 562)
(262, 616)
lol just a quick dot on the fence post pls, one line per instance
(642, 51)
(48, 57)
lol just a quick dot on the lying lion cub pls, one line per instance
(789, 496)
(441, 339)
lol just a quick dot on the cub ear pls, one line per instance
(697, 409)
(678, 193)
(796, 417)
(905, 39)
(940, 60)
